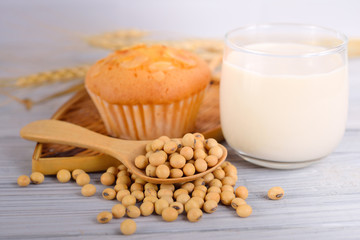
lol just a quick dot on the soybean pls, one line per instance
(23, 181)
(179, 207)
(107, 179)
(128, 227)
(236, 202)
(194, 214)
(76, 173)
(226, 197)
(64, 176)
(104, 217)
(242, 192)
(210, 206)
(147, 208)
(169, 214)
(244, 210)
(118, 210)
(128, 200)
(276, 193)
(37, 177)
(83, 179)
(108, 193)
(160, 205)
(141, 162)
(133, 211)
(88, 190)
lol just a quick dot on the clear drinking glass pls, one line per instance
(284, 93)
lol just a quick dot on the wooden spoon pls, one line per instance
(54, 131)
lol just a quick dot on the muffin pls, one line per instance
(144, 92)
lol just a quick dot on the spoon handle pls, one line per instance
(55, 131)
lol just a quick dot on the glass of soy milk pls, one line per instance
(284, 93)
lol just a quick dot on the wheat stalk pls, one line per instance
(59, 75)
(209, 49)
(205, 48)
(29, 103)
(116, 40)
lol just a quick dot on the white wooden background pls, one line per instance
(321, 202)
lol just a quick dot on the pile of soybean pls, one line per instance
(139, 198)
(175, 158)
(133, 197)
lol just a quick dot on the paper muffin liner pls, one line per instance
(149, 121)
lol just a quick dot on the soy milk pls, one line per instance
(283, 108)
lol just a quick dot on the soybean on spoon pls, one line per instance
(55, 131)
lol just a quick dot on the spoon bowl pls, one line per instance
(55, 131)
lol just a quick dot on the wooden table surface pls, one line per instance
(321, 201)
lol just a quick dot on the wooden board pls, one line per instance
(80, 110)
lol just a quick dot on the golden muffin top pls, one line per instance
(147, 75)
